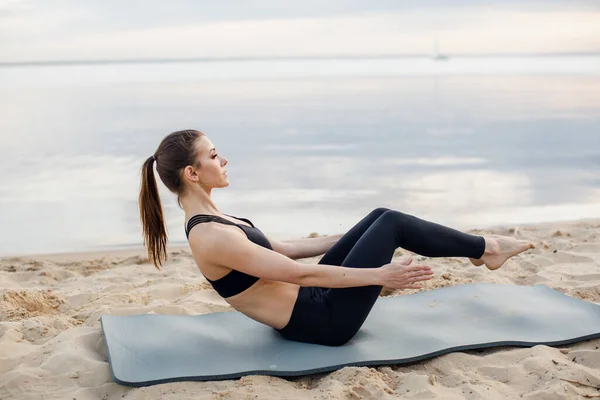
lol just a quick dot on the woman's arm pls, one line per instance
(229, 249)
(224, 247)
(304, 248)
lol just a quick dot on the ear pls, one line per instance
(190, 173)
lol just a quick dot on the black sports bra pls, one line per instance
(235, 281)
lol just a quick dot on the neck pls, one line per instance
(198, 201)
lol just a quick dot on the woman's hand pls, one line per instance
(403, 275)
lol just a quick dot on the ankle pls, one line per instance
(492, 248)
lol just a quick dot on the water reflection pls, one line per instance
(305, 155)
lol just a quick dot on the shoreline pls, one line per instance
(130, 249)
(346, 56)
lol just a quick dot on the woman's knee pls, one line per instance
(389, 217)
(394, 215)
(379, 211)
(393, 221)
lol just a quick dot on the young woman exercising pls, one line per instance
(323, 304)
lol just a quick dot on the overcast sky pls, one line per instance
(118, 29)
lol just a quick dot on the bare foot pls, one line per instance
(498, 249)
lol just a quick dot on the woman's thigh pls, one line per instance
(311, 319)
(339, 251)
(349, 307)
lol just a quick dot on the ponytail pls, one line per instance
(151, 216)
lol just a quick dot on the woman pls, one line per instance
(325, 303)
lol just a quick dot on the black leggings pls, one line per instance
(332, 316)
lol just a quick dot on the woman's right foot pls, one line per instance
(498, 249)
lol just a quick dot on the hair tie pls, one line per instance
(152, 157)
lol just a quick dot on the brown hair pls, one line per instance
(175, 152)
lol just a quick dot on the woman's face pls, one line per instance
(211, 173)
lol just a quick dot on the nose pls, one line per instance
(223, 161)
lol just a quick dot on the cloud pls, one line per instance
(22, 20)
(83, 32)
(9, 6)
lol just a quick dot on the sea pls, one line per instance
(313, 144)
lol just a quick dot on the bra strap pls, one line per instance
(242, 219)
(201, 218)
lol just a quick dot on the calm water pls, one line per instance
(313, 145)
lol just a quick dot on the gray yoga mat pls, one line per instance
(150, 349)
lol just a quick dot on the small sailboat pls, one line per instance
(437, 56)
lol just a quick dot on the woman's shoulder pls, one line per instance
(210, 243)
(213, 235)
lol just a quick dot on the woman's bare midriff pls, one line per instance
(268, 302)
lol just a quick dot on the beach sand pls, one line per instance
(51, 344)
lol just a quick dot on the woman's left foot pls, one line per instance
(498, 249)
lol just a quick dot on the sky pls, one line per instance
(53, 30)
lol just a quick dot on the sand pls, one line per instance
(51, 344)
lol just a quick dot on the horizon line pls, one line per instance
(280, 58)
